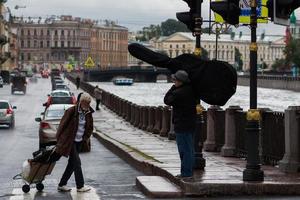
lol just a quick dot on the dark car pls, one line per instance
(18, 84)
(55, 82)
(5, 76)
(60, 97)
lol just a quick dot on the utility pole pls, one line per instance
(253, 170)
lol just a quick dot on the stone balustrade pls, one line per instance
(220, 130)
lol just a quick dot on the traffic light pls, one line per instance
(280, 10)
(229, 10)
(188, 17)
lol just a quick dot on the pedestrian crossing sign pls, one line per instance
(262, 12)
(89, 63)
(69, 67)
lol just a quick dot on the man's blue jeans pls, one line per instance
(186, 152)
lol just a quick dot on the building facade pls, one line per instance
(270, 48)
(8, 51)
(54, 40)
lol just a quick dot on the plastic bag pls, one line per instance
(25, 170)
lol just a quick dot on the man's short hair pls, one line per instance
(85, 97)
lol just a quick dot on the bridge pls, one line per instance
(149, 74)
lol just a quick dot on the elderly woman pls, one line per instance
(75, 127)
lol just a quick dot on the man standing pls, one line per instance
(182, 98)
(98, 96)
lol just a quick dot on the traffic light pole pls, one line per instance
(253, 170)
(199, 160)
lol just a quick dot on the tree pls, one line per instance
(238, 59)
(292, 52)
(147, 33)
(279, 65)
(171, 26)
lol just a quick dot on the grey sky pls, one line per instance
(133, 14)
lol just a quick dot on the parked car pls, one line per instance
(7, 113)
(49, 123)
(1, 82)
(60, 97)
(55, 82)
(5, 74)
(62, 87)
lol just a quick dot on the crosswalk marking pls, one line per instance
(18, 194)
(90, 195)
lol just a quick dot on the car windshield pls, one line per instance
(4, 105)
(54, 113)
(60, 94)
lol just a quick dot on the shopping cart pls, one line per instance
(35, 170)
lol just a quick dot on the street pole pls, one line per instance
(253, 170)
(199, 160)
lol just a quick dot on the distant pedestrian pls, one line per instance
(98, 96)
(77, 82)
(75, 128)
(182, 98)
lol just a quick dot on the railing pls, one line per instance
(157, 120)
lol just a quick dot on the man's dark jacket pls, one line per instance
(183, 101)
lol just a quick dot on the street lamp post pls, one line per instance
(253, 170)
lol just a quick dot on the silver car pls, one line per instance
(49, 123)
(7, 113)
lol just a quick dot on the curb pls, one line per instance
(142, 164)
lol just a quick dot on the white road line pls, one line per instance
(20, 195)
(90, 195)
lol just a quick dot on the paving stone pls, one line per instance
(158, 187)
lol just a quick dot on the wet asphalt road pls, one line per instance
(109, 176)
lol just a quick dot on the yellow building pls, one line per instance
(270, 47)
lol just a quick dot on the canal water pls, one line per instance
(152, 94)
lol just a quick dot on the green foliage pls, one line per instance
(279, 65)
(292, 52)
(152, 31)
(171, 26)
(238, 59)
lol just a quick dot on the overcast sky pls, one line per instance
(133, 14)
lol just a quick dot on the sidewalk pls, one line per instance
(158, 156)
